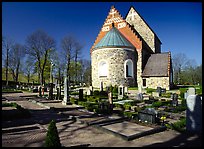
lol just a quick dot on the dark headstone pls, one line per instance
(50, 91)
(80, 94)
(40, 94)
(159, 90)
(148, 115)
(139, 96)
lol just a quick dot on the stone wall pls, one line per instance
(154, 82)
(115, 58)
(139, 69)
(133, 18)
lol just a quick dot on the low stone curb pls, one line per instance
(40, 104)
(134, 136)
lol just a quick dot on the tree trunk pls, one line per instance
(7, 66)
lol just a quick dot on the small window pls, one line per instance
(128, 68)
(103, 69)
(144, 82)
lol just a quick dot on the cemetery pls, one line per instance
(126, 94)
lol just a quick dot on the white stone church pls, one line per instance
(127, 52)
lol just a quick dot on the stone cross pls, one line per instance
(194, 114)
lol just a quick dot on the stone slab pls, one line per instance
(127, 128)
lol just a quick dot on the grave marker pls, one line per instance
(194, 114)
(66, 98)
(191, 91)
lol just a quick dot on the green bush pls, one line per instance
(150, 90)
(167, 95)
(179, 125)
(199, 91)
(182, 91)
(96, 93)
(52, 138)
(115, 89)
(130, 114)
(157, 104)
(73, 100)
(74, 93)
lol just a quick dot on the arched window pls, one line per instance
(128, 68)
(103, 69)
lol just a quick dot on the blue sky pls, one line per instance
(177, 24)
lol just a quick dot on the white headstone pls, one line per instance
(88, 92)
(91, 88)
(194, 114)
(191, 91)
(64, 102)
(126, 90)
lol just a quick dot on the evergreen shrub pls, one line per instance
(52, 137)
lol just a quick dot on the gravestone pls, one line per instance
(139, 96)
(194, 114)
(101, 86)
(120, 92)
(191, 91)
(57, 96)
(66, 97)
(88, 92)
(40, 94)
(50, 92)
(174, 98)
(126, 90)
(110, 98)
(80, 94)
(148, 115)
(159, 90)
(91, 89)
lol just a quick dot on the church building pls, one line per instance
(127, 52)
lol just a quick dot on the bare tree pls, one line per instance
(7, 45)
(77, 52)
(39, 45)
(179, 63)
(67, 44)
(15, 58)
(28, 67)
(85, 71)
